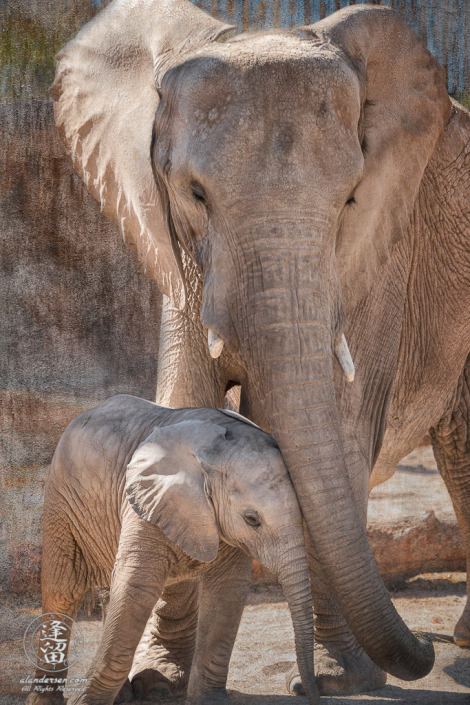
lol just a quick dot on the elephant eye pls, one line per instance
(198, 193)
(252, 518)
(167, 167)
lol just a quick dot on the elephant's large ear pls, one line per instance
(105, 103)
(166, 484)
(405, 109)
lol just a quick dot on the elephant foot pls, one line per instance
(158, 672)
(462, 630)
(340, 673)
(153, 684)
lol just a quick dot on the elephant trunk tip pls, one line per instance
(422, 665)
(311, 690)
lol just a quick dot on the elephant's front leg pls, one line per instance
(187, 377)
(341, 665)
(451, 445)
(142, 565)
(224, 588)
(169, 643)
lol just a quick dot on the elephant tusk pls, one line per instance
(216, 344)
(344, 358)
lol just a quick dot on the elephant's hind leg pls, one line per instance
(63, 585)
(451, 445)
(141, 568)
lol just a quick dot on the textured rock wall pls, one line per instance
(79, 321)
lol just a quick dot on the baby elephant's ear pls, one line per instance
(165, 484)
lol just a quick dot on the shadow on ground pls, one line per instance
(460, 672)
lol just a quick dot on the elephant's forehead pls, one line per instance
(262, 62)
(272, 46)
(259, 463)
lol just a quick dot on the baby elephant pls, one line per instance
(140, 497)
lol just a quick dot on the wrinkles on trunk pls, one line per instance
(288, 351)
(291, 567)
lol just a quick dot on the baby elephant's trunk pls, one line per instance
(292, 571)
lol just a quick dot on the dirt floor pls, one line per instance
(264, 649)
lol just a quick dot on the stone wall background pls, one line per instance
(32, 32)
(79, 321)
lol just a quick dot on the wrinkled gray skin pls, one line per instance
(309, 184)
(138, 497)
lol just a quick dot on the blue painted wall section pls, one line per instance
(444, 25)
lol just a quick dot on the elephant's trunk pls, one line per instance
(289, 352)
(292, 570)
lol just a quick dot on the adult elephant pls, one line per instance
(305, 184)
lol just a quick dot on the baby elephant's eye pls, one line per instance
(252, 518)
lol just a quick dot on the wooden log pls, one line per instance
(404, 549)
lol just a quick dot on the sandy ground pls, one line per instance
(264, 650)
(416, 488)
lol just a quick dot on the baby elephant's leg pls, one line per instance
(168, 643)
(141, 568)
(224, 589)
(63, 583)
